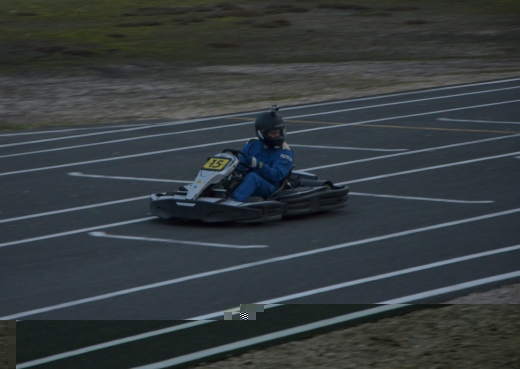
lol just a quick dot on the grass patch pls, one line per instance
(402, 8)
(68, 33)
(288, 8)
(189, 18)
(223, 45)
(25, 14)
(116, 35)
(275, 23)
(80, 52)
(162, 11)
(371, 14)
(51, 49)
(237, 13)
(416, 22)
(343, 6)
(140, 24)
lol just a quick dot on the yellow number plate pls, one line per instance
(216, 164)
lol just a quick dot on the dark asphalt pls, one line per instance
(52, 259)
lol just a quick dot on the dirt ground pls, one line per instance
(455, 336)
(480, 330)
(130, 93)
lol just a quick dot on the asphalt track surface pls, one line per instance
(434, 211)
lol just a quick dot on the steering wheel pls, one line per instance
(236, 152)
(241, 168)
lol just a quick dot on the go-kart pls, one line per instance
(208, 198)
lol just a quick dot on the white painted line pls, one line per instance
(200, 129)
(429, 168)
(297, 107)
(454, 288)
(390, 275)
(419, 198)
(517, 157)
(120, 157)
(241, 266)
(79, 174)
(269, 337)
(88, 134)
(106, 235)
(388, 306)
(243, 139)
(134, 128)
(412, 152)
(124, 140)
(411, 101)
(70, 130)
(135, 338)
(345, 148)
(403, 94)
(204, 319)
(104, 345)
(76, 231)
(475, 121)
(73, 209)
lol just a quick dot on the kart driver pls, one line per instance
(269, 158)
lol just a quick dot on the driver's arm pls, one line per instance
(279, 169)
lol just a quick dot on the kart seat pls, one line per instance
(284, 184)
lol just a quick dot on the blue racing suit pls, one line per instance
(273, 166)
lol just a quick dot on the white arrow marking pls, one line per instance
(79, 174)
(420, 198)
(347, 148)
(103, 234)
(476, 121)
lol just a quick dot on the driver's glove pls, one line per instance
(253, 163)
(241, 168)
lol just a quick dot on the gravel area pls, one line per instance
(480, 330)
(130, 93)
(455, 336)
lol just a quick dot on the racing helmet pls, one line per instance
(267, 122)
